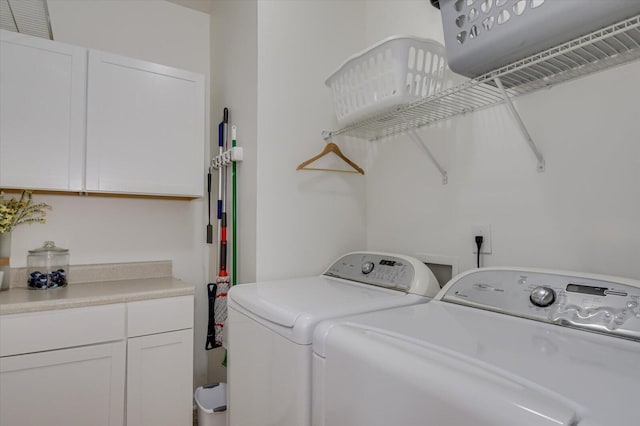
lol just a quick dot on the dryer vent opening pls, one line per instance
(443, 267)
(443, 273)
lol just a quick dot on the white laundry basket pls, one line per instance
(398, 70)
(212, 404)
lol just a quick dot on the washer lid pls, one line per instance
(293, 307)
(592, 375)
(421, 383)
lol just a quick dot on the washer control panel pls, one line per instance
(603, 304)
(392, 271)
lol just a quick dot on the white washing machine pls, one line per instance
(270, 328)
(498, 347)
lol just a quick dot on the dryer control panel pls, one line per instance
(392, 271)
(602, 304)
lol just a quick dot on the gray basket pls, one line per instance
(482, 35)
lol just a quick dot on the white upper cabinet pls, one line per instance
(42, 113)
(73, 119)
(145, 127)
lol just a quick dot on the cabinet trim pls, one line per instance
(103, 194)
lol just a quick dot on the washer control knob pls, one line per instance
(367, 267)
(542, 296)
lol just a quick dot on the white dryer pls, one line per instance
(498, 347)
(270, 327)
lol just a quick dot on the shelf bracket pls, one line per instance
(418, 140)
(507, 100)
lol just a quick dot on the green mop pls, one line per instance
(234, 221)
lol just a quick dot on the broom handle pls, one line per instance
(234, 217)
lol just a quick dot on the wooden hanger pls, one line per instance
(331, 147)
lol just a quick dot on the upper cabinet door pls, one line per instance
(145, 128)
(42, 113)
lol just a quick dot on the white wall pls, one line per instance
(582, 214)
(234, 81)
(385, 18)
(100, 230)
(153, 30)
(305, 219)
(269, 63)
(234, 70)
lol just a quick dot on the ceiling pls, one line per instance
(32, 16)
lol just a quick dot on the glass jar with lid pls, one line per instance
(48, 267)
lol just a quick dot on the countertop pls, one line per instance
(20, 300)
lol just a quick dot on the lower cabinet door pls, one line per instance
(160, 379)
(79, 386)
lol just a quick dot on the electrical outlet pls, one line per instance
(485, 231)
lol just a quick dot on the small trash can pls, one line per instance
(212, 404)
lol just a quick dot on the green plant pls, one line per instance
(14, 212)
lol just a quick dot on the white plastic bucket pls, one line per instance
(212, 404)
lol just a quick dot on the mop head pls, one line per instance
(220, 307)
(217, 311)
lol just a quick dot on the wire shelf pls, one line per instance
(602, 49)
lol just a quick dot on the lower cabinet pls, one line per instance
(112, 365)
(79, 386)
(160, 362)
(159, 379)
